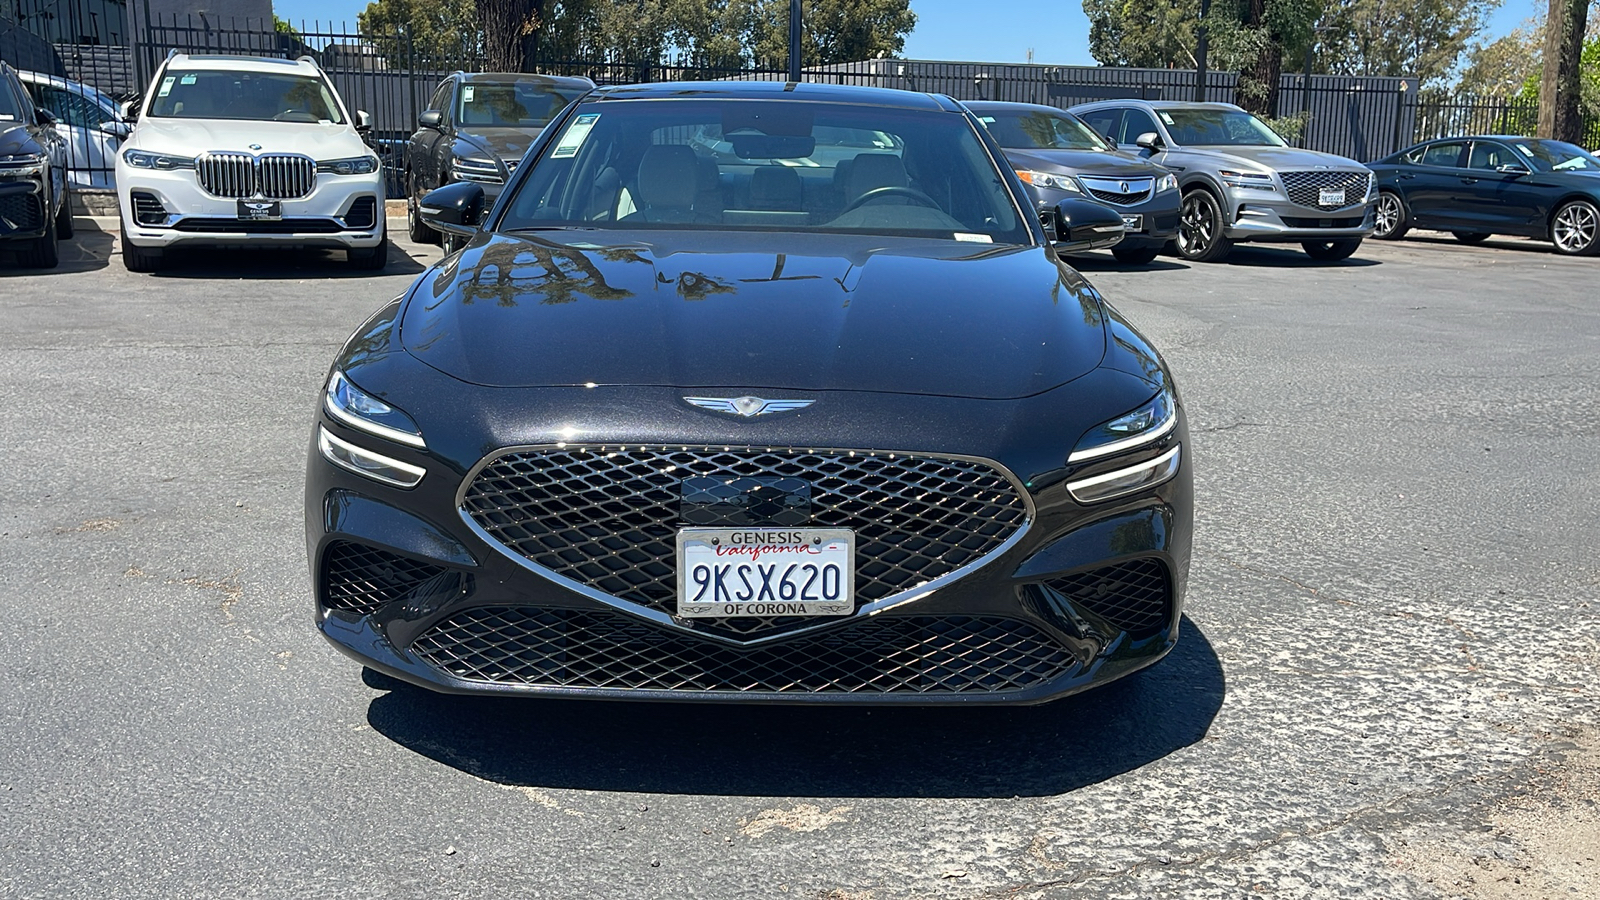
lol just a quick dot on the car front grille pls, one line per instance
(276, 176)
(915, 655)
(607, 518)
(1119, 191)
(1134, 596)
(361, 579)
(1305, 188)
(20, 213)
(202, 225)
(1304, 222)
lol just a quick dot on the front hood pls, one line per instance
(190, 137)
(1281, 159)
(507, 143)
(16, 139)
(1084, 162)
(757, 312)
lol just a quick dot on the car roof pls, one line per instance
(1167, 104)
(56, 80)
(779, 90)
(234, 63)
(999, 105)
(552, 80)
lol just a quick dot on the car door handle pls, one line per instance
(1406, 176)
(1469, 181)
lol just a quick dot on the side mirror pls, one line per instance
(1511, 169)
(429, 119)
(1076, 226)
(363, 121)
(116, 129)
(1150, 141)
(129, 109)
(44, 116)
(455, 208)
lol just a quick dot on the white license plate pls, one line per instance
(1327, 197)
(1133, 223)
(724, 572)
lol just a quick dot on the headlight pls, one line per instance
(1167, 183)
(1130, 480)
(1372, 185)
(359, 409)
(484, 171)
(1254, 180)
(364, 462)
(1047, 180)
(139, 159)
(1145, 425)
(356, 165)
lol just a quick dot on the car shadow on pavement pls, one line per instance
(1097, 262)
(1507, 242)
(806, 751)
(1289, 256)
(267, 264)
(88, 249)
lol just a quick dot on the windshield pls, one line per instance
(511, 104)
(225, 94)
(1218, 126)
(773, 165)
(8, 105)
(1557, 156)
(1040, 130)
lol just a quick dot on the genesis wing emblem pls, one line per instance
(747, 407)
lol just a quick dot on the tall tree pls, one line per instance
(835, 30)
(1424, 39)
(1503, 67)
(422, 33)
(1561, 87)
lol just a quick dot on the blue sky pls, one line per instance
(998, 31)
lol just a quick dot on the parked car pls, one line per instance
(476, 128)
(1483, 185)
(88, 119)
(1240, 180)
(235, 151)
(35, 199)
(1060, 157)
(811, 435)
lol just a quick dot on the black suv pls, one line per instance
(35, 207)
(476, 128)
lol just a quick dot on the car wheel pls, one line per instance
(140, 259)
(1468, 237)
(1330, 251)
(43, 252)
(416, 229)
(64, 216)
(1135, 256)
(1575, 229)
(1200, 225)
(1391, 220)
(370, 259)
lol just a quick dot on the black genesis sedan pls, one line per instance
(1475, 187)
(1061, 157)
(778, 422)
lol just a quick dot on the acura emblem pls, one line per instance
(747, 407)
(1124, 187)
(255, 146)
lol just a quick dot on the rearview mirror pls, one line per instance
(1511, 169)
(455, 208)
(1077, 226)
(116, 129)
(1149, 141)
(429, 119)
(44, 116)
(129, 109)
(363, 121)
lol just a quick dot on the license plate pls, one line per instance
(724, 572)
(1133, 223)
(260, 210)
(1326, 197)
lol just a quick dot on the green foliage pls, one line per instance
(1290, 127)
(441, 32)
(1425, 39)
(835, 30)
(283, 27)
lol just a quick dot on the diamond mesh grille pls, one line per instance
(608, 519)
(1133, 595)
(20, 212)
(1305, 188)
(881, 655)
(360, 579)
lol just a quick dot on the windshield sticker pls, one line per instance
(987, 120)
(577, 133)
(974, 238)
(187, 79)
(1165, 117)
(466, 94)
(166, 86)
(1524, 149)
(7, 117)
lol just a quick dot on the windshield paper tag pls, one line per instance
(974, 238)
(577, 133)
(1164, 117)
(187, 79)
(166, 86)
(466, 94)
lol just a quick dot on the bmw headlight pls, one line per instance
(1047, 180)
(360, 410)
(483, 171)
(141, 159)
(1168, 182)
(355, 165)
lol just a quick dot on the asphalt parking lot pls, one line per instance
(1386, 685)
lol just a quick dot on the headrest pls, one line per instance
(667, 177)
(874, 170)
(775, 187)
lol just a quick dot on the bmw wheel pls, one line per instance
(1200, 225)
(1575, 229)
(1390, 219)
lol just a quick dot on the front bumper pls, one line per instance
(168, 208)
(1157, 216)
(22, 207)
(1257, 216)
(406, 584)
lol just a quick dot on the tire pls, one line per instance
(1331, 251)
(416, 229)
(64, 217)
(1468, 237)
(1391, 219)
(370, 259)
(43, 252)
(139, 259)
(1200, 224)
(1135, 256)
(1575, 228)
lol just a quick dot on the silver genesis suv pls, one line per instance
(1240, 181)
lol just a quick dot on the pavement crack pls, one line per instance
(1216, 428)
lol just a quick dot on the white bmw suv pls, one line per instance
(232, 151)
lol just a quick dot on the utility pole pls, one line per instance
(1200, 53)
(794, 40)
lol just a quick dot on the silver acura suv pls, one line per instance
(1240, 181)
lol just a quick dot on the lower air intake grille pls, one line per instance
(147, 210)
(20, 213)
(883, 655)
(360, 579)
(1134, 596)
(362, 214)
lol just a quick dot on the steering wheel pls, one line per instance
(891, 190)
